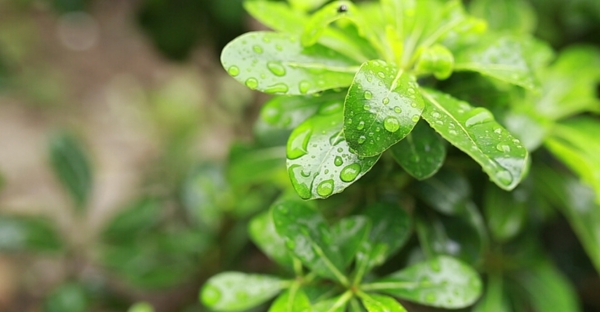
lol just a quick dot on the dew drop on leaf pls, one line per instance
(368, 95)
(504, 177)
(277, 88)
(479, 116)
(298, 143)
(360, 126)
(367, 107)
(258, 49)
(211, 295)
(338, 161)
(301, 188)
(276, 68)
(233, 71)
(503, 148)
(252, 83)
(397, 109)
(386, 101)
(361, 139)
(325, 188)
(304, 86)
(350, 172)
(415, 118)
(391, 124)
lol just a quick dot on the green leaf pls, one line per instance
(436, 60)
(381, 303)
(505, 212)
(330, 13)
(447, 192)
(475, 132)
(319, 161)
(382, 106)
(392, 227)
(133, 221)
(421, 153)
(349, 233)
(575, 143)
(205, 193)
(28, 234)
(307, 5)
(293, 300)
(252, 165)
(277, 15)
(263, 234)
(141, 307)
(72, 167)
(441, 282)
(337, 304)
(515, 16)
(234, 291)
(501, 58)
(494, 299)
(68, 297)
(308, 236)
(277, 63)
(548, 289)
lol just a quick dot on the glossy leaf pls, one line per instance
(501, 58)
(391, 229)
(475, 132)
(381, 303)
(28, 234)
(69, 297)
(234, 291)
(72, 167)
(330, 13)
(319, 161)
(349, 233)
(494, 299)
(505, 212)
(421, 153)
(337, 304)
(293, 300)
(277, 63)
(308, 236)
(382, 106)
(278, 16)
(263, 234)
(447, 192)
(441, 282)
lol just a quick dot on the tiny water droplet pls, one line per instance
(304, 86)
(367, 107)
(386, 101)
(233, 71)
(338, 161)
(435, 115)
(276, 68)
(350, 172)
(503, 148)
(498, 131)
(361, 125)
(258, 49)
(368, 95)
(349, 121)
(361, 139)
(381, 75)
(391, 124)
(397, 109)
(279, 48)
(370, 78)
(325, 188)
(415, 118)
(277, 88)
(453, 132)
(252, 83)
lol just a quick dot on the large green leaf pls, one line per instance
(349, 233)
(308, 236)
(501, 57)
(441, 282)
(421, 153)
(263, 233)
(475, 132)
(28, 234)
(72, 167)
(234, 291)
(293, 300)
(319, 161)
(382, 106)
(505, 212)
(277, 63)
(381, 303)
(447, 192)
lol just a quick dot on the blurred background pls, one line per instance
(116, 122)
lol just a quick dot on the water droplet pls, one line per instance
(367, 107)
(503, 147)
(369, 78)
(298, 143)
(338, 161)
(386, 101)
(349, 121)
(299, 184)
(277, 88)
(411, 91)
(211, 295)
(391, 124)
(279, 48)
(453, 132)
(258, 49)
(397, 109)
(350, 172)
(233, 71)
(479, 116)
(435, 115)
(368, 95)
(430, 297)
(276, 68)
(439, 122)
(336, 138)
(252, 83)
(415, 118)
(360, 126)
(504, 177)
(304, 86)
(325, 188)
(498, 131)
(381, 75)
(361, 139)
(266, 39)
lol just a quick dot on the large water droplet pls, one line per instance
(277, 88)
(276, 68)
(391, 124)
(304, 86)
(252, 83)
(504, 177)
(233, 71)
(298, 143)
(415, 118)
(368, 95)
(397, 109)
(338, 161)
(367, 107)
(211, 295)
(386, 101)
(336, 138)
(350, 172)
(298, 182)
(258, 49)
(325, 188)
(479, 116)
(362, 139)
(360, 126)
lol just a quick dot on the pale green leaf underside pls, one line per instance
(421, 153)
(319, 161)
(234, 291)
(382, 106)
(277, 63)
(475, 132)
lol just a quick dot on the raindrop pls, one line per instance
(233, 71)
(436, 115)
(325, 188)
(343, 8)
(277, 88)
(368, 95)
(367, 107)
(391, 124)
(211, 295)
(369, 78)
(498, 131)
(361, 125)
(338, 161)
(258, 49)
(304, 86)
(386, 101)
(397, 109)
(252, 83)
(503, 147)
(361, 139)
(298, 143)
(504, 177)
(350, 172)
(381, 75)
(415, 118)
(300, 187)
(276, 68)
(479, 116)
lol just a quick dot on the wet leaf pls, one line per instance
(447, 192)
(337, 304)
(381, 303)
(505, 211)
(349, 233)
(382, 106)
(263, 234)
(319, 160)
(234, 291)
(440, 282)
(330, 13)
(277, 63)
(308, 236)
(421, 153)
(475, 132)
(501, 58)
